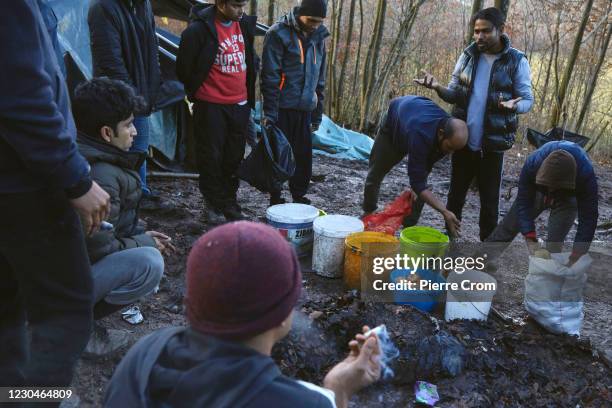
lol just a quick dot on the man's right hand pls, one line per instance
(265, 122)
(452, 223)
(93, 207)
(162, 241)
(427, 80)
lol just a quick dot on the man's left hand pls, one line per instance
(314, 127)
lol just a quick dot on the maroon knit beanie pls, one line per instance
(243, 278)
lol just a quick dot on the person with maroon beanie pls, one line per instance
(216, 63)
(243, 281)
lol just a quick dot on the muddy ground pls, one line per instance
(504, 364)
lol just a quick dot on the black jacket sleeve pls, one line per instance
(320, 90)
(187, 58)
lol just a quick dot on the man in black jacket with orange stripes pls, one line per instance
(216, 63)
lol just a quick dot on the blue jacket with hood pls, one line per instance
(586, 192)
(293, 69)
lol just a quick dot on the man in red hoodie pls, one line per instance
(216, 63)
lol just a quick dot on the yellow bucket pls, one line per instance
(355, 254)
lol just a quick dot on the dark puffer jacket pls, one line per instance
(198, 49)
(500, 124)
(116, 172)
(293, 69)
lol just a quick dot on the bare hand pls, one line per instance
(162, 241)
(93, 207)
(452, 223)
(361, 368)
(509, 104)
(427, 80)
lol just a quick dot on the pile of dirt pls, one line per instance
(503, 365)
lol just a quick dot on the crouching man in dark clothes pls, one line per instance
(126, 260)
(243, 281)
(558, 176)
(417, 127)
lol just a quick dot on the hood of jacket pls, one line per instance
(179, 367)
(290, 20)
(201, 11)
(96, 151)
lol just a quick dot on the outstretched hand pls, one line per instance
(427, 80)
(510, 104)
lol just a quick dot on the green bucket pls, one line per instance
(423, 241)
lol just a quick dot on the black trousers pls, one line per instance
(45, 278)
(296, 127)
(220, 134)
(487, 168)
(383, 157)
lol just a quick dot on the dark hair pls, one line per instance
(103, 102)
(492, 15)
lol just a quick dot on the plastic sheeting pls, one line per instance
(333, 140)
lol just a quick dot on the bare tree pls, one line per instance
(347, 48)
(593, 82)
(253, 8)
(271, 7)
(503, 6)
(558, 106)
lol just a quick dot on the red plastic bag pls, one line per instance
(390, 219)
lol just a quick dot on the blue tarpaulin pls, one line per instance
(333, 140)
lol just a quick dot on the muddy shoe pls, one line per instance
(104, 342)
(233, 213)
(276, 199)
(301, 200)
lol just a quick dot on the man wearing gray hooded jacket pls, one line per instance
(292, 85)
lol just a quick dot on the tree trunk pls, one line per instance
(371, 63)
(593, 81)
(357, 61)
(476, 7)
(333, 86)
(503, 6)
(271, 7)
(347, 52)
(253, 8)
(553, 53)
(558, 107)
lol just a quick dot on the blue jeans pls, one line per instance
(141, 144)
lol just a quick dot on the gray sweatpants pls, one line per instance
(562, 216)
(126, 276)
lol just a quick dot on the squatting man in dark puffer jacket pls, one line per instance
(243, 281)
(126, 260)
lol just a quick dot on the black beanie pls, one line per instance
(313, 8)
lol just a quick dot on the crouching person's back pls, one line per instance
(243, 281)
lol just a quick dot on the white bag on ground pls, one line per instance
(553, 292)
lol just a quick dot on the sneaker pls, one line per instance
(104, 342)
(276, 199)
(301, 200)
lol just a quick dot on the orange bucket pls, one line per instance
(356, 256)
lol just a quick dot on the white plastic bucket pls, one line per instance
(469, 302)
(328, 250)
(294, 222)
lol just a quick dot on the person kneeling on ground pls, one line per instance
(243, 281)
(126, 260)
(558, 176)
(417, 127)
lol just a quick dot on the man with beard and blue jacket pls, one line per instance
(292, 85)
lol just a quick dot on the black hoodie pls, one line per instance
(198, 49)
(179, 367)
